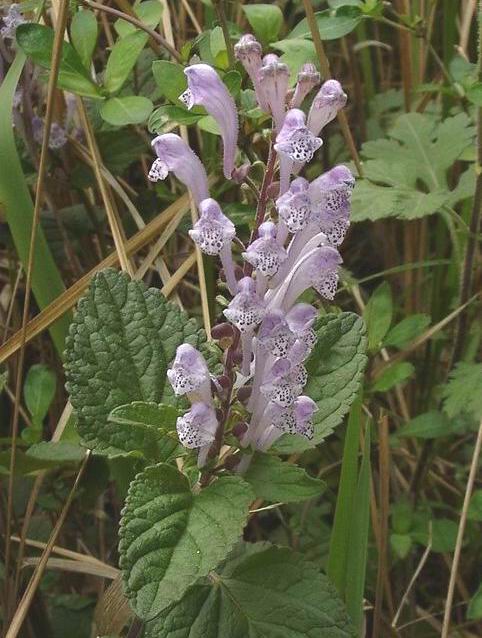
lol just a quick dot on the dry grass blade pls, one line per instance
(113, 611)
(77, 566)
(61, 551)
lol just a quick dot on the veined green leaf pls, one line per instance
(397, 373)
(265, 19)
(39, 391)
(331, 25)
(83, 31)
(170, 537)
(149, 12)
(131, 109)
(462, 393)
(122, 59)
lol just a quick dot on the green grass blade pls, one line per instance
(358, 545)
(47, 283)
(337, 558)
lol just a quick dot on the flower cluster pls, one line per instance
(271, 331)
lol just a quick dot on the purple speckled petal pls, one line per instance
(265, 253)
(326, 104)
(197, 428)
(294, 206)
(189, 373)
(208, 90)
(330, 196)
(247, 309)
(213, 230)
(275, 335)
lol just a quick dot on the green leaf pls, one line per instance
(296, 52)
(406, 173)
(37, 42)
(331, 24)
(430, 425)
(132, 109)
(474, 93)
(158, 422)
(122, 59)
(265, 19)
(403, 333)
(444, 535)
(401, 544)
(275, 480)
(335, 369)
(56, 452)
(170, 537)
(378, 315)
(17, 205)
(168, 114)
(474, 610)
(170, 79)
(273, 593)
(83, 33)
(393, 375)
(39, 391)
(462, 393)
(148, 12)
(475, 507)
(121, 341)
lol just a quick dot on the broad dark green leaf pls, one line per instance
(403, 333)
(83, 32)
(56, 452)
(170, 537)
(275, 480)
(331, 24)
(39, 391)
(131, 109)
(393, 375)
(37, 42)
(122, 59)
(273, 593)
(170, 79)
(265, 19)
(429, 425)
(378, 315)
(121, 341)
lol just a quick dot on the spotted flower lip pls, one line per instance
(189, 374)
(265, 253)
(284, 381)
(308, 78)
(294, 143)
(174, 155)
(247, 309)
(295, 420)
(294, 208)
(326, 104)
(197, 428)
(273, 79)
(205, 88)
(275, 334)
(330, 196)
(213, 233)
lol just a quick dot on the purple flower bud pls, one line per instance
(247, 309)
(294, 143)
(330, 196)
(197, 428)
(294, 206)
(265, 253)
(189, 374)
(308, 78)
(273, 78)
(11, 21)
(249, 52)
(326, 104)
(275, 335)
(208, 90)
(176, 156)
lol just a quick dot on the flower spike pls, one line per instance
(265, 253)
(205, 88)
(175, 155)
(213, 233)
(308, 78)
(273, 79)
(189, 374)
(326, 104)
(294, 143)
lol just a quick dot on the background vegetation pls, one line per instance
(410, 446)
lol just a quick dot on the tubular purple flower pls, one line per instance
(294, 143)
(308, 78)
(189, 374)
(213, 233)
(175, 156)
(275, 335)
(197, 429)
(205, 88)
(265, 253)
(326, 104)
(330, 196)
(273, 79)
(294, 208)
(276, 421)
(246, 311)
(284, 381)
(300, 320)
(249, 52)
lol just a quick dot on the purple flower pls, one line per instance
(175, 155)
(326, 104)
(265, 253)
(294, 208)
(11, 21)
(57, 138)
(294, 143)
(300, 320)
(273, 79)
(293, 420)
(197, 429)
(249, 52)
(189, 374)
(275, 335)
(213, 233)
(205, 88)
(284, 381)
(308, 78)
(330, 196)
